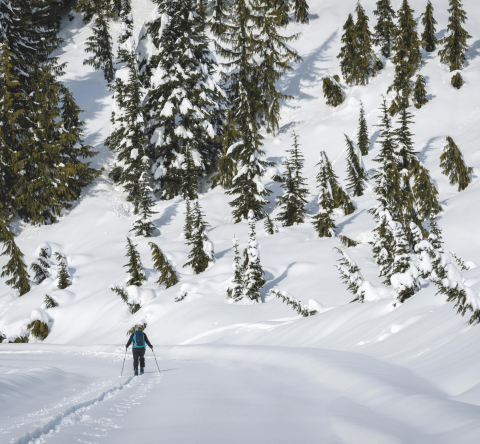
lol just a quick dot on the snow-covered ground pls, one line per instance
(356, 373)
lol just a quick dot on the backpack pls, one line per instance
(138, 340)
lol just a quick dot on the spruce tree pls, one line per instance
(455, 42)
(269, 226)
(202, 252)
(191, 174)
(457, 81)
(347, 52)
(216, 22)
(332, 91)
(64, 279)
(407, 57)
(435, 234)
(429, 41)
(426, 195)
(340, 198)
(274, 56)
(188, 226)
(385, 27)
(363, 139)
(134, 265)
(237, 288)
(453, 165)
(300, 9)
(40, 267)
(253, 275)
(419, 92)
(293, 201)
(356, 173)
(168, 276)
(383, 245)
(323, 222)
(351, 275)
(15, 269)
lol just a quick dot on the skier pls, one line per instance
(140, 342)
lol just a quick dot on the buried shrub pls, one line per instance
(38, 330)
(457, 81)
(132, 306)
(134, 328)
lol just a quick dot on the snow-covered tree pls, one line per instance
(363, 140)
(64, 279)
(202, 252)
(237, 288)
(49, 302)
(455, 42)
(269, 226)
(383, 245)
(332, 90)
(419, 92)
(168, 276)
(356, 173)
(385, 27)
(300, 10)
(253, 274)
(134, 266)
(191, 173)
(188, 226)
(426, 195)
(293, 201)
(351, 275)
(457, 81)
(453, 165)
(40, 266)
(429, 41)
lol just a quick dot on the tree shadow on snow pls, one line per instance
(350, 220)
(430, 146)
(167, 216)
(271, 284)
(473, 51)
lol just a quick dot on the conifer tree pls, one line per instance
(134, 265)
(347, 52)
(419, 92)
(455, 42)
(323, 222)
(236, 290)
(429, 41)
(217, 19)
(407, 57)
(168, 275)
(64, 279)
(351, 275)
(383, 245)
(188, 227)
(457, 81)
(332, 91)
(40, 267)
(435, 234)
(356, 173)
(269, 226)
(385, 27)
(426, 195)
(274, 55)
(190, 177)
(15, 268)
(253, 275)
(294, 199)
(453, 165)
(202, 252)
(300, 8)
(363, 139)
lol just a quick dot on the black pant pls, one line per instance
(138, 353)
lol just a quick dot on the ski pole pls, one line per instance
(121, 374)
(156, 361)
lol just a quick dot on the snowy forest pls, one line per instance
(277, 183)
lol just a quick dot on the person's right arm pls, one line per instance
(130, 340)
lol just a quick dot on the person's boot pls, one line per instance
(142, 369)
(136, 372)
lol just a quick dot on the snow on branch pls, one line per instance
(351, 275)
(304, 310)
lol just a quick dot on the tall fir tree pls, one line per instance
(363, 139)
(383, 245)
(253, 275)
(419, 92)
(168, 276)
(237, 288)
(293, 201)
(332, 90)
(407, 57)
(426, 195)
(347, 52)
(188, 226)
(201, 253)
(356, 173)
(455, 42)
(191, 173)
(300, 9)
(385, 27)
(134, 265)
(64, 279)
(40, 267)
(429, 41)
(453, 165)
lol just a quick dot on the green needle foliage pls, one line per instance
(453, 165)
(134, 265)
(38, 329)
(300, 8)
(269, 226)
(426, 195)
(429, 41)
(122, 292)
(50, 302)
(457, 81)
(332, 91)
(356, 173)
(168, 276)
(419, 92)
(134, 328)
(363, 139)
(40, 267)
(385, 27)
(236, 290)
(64, 280)
(347, 52)
(455, 42)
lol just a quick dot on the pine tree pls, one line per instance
(49, 302)
(274, 55)
(383, 245)
(332, 91)
(457, 81)
(236, 290)
(294, 199)
(453, 165)
(134, 265)
(347, 52)
(323, 222)
(15, 268)
(426, 195)
(363, 139)
(455, 42)
(407, 56)
(419, 92)
(356, 173)
(40, 267)
(188, 227)
(100, 44)
(351, 275)
(269, 226)
(429, 41)
(300, 8)
(168, 275)
(435, 234)
(191, 174)
(202, 252)
(64, 279)
(253, 276)
(385, 28)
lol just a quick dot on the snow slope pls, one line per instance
(370, 373)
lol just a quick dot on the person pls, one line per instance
(140, 342)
